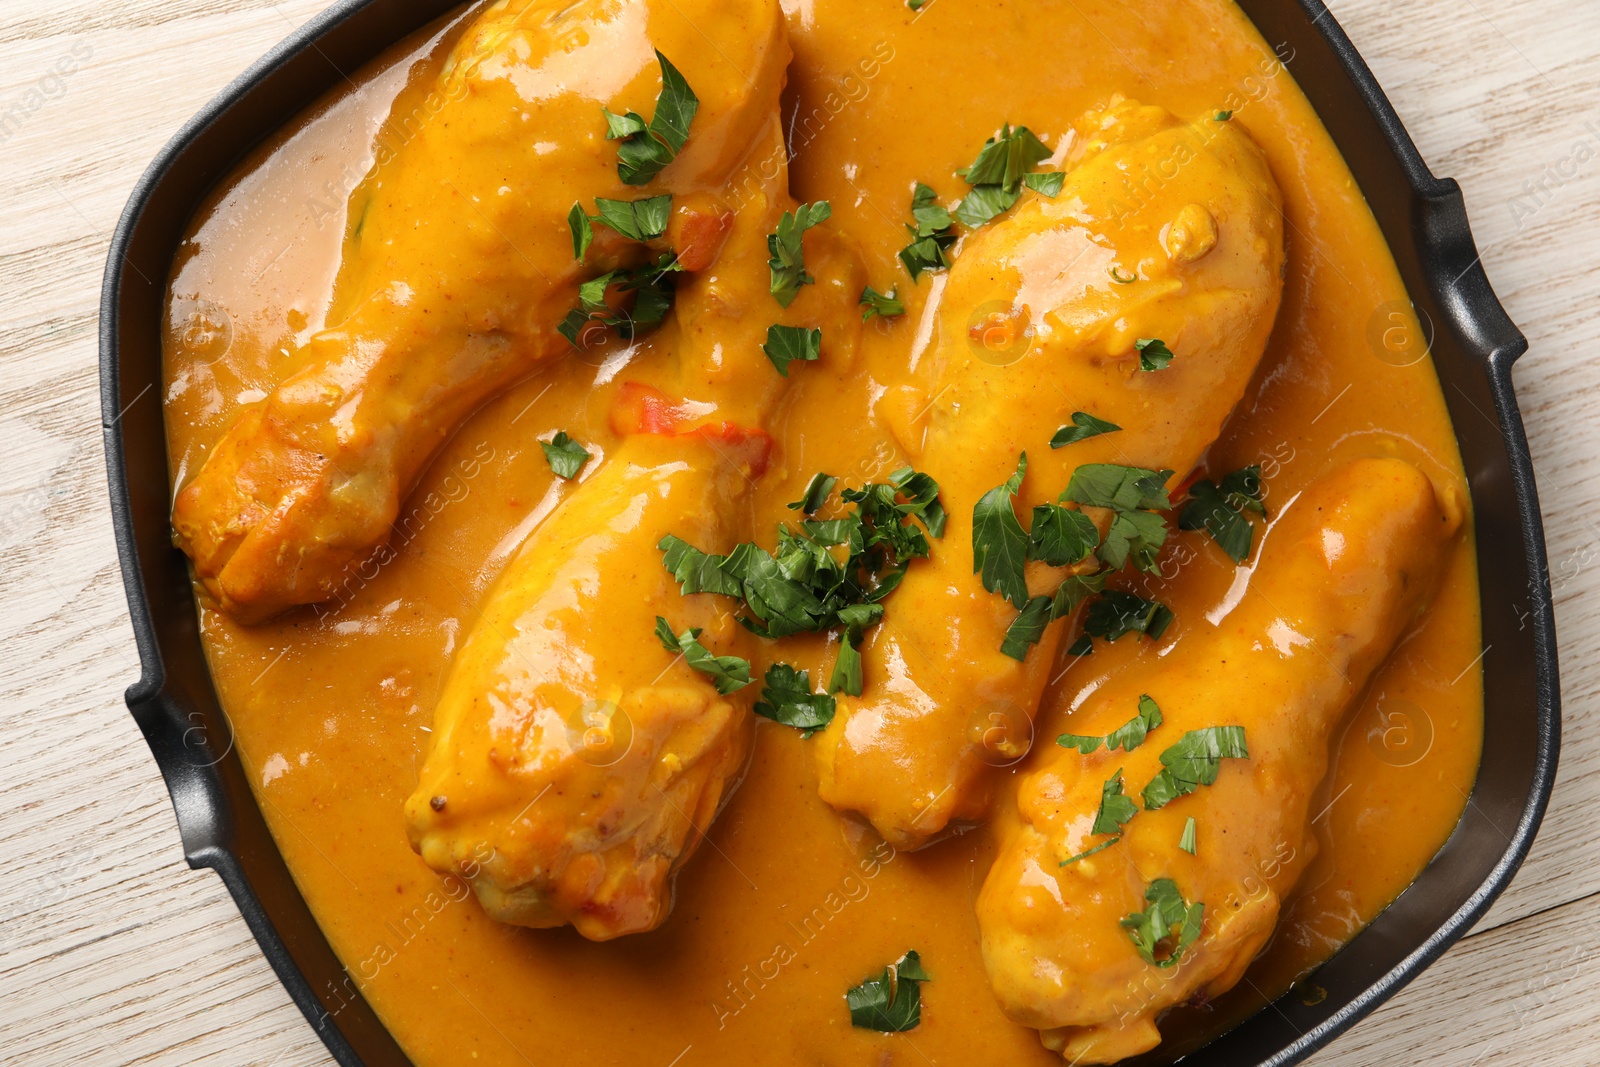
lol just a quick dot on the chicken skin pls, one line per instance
(457, 269)
(576, 764)
(1346, 569)
(1162, 230)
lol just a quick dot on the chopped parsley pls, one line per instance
(637, 220)
(999, 544)
(652, 285)
(1101, 847)
(788, 256)
(1187, 841)
(1153, 353)
(885, 305)
(1061, 536)
(1220, 510)
(1116, 613)
(890, 1003)
(1135, 495)
(1046, 183)
(1223, 116)
(846, 675)
(785, 344)
(997, 174)
(566, 456)
(1153, 927)
(817, 492)
(1084, 426)
(827, 573)
(1027, 628)
(1118, 279)
(728, 673)
(1115, 808)
(787, 698)
(644, 149)
(1129, 736)
(932, 234)
(1193, 762)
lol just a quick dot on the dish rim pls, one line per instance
(1473, 313)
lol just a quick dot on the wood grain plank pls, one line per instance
(113, 952)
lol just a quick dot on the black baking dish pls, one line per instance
(1474, 346)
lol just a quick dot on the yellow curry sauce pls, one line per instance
(788, 904)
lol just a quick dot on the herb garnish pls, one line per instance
(892, 1002)
(846, 675)
(997, 174)
(788, 254)
(1153, 353)
(1220, 510)
(932, 234)
(654, 289)
(1149, 928)
(886, 305)
(787, 698)
(565, 456)
(1084, 426)
(1223, 116)
(1116, 613)
(637, 220)
(1101, 847)
(1193, 762)
(1187, 841)
(816, 494)
(1115, 808)
(999, 544)
(645, 149)
(1134, 495)
(785, 344)
(829, 572)
(728, 673)
(1129, 736)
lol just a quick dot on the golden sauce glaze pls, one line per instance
(788, 904)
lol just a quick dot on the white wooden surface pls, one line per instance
(113, 952)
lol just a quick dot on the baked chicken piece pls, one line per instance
(1161, 230)
(457, 269)
(575, 763)
(1072, 945)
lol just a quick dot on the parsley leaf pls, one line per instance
(1187, 842)
(1061, 536)
(922, 498)
(999, 544)
(1193, 762)
(565, 456)
(816, 494)
(785, 344)
(1129, 736)
(644, 150)
(1153, 353)
(728, 673)
(1027, 628)
(653, 286)
(787, 698)
(998, 173)
(1149, 928)
(1110, 485)
(788, 255)
(1115, 808)
(1219, 510)
(892, 1002)
(1075, 590)
(1101, 847)
(1046, 183)
(847, 666)
(1115, 613)
(885, 305)
(932, 234)
(699, 571)
(637, 220)
(1084, 426)
(582, 231)
(1223, 116)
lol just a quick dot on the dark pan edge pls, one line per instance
(206, 817)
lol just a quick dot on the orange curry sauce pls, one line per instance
(787, 905)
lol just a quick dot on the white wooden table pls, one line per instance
(113, 952)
